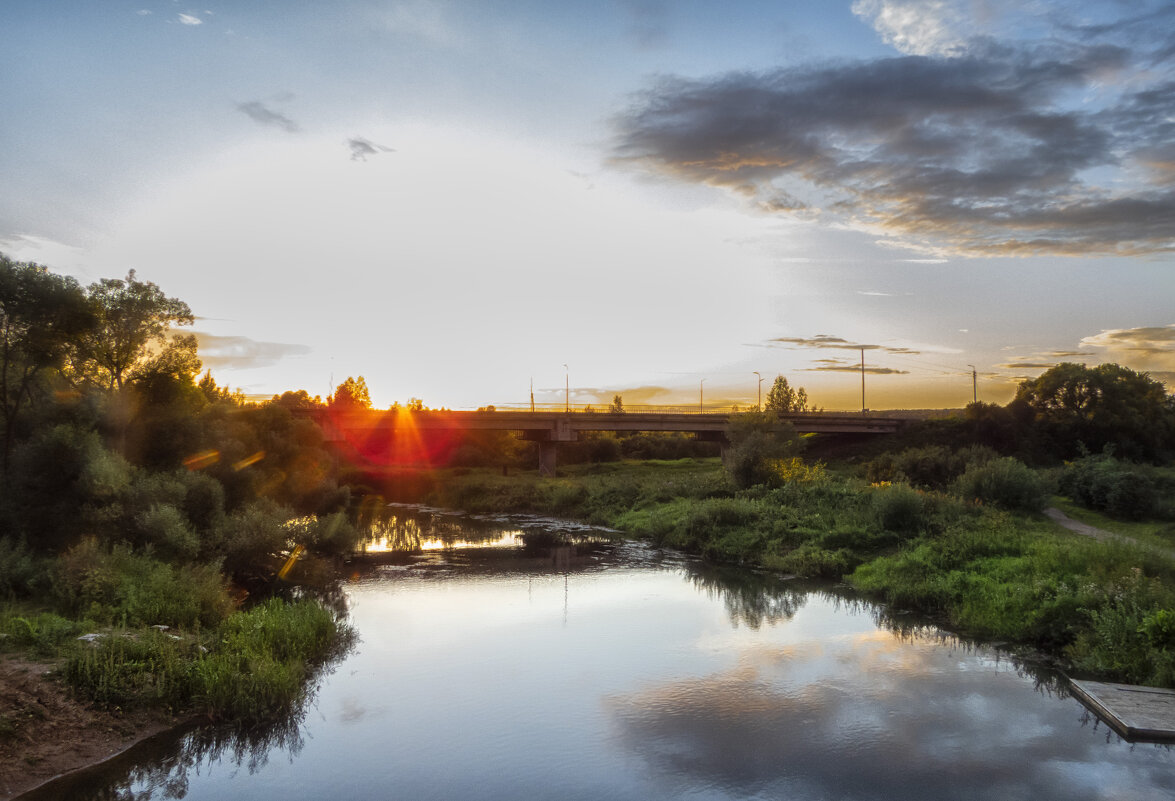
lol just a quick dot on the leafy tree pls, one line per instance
(758, 441)
(350, 395)
(42, 315)
(782, 399)
(133, 317)
(617, 406)
(1074, 405)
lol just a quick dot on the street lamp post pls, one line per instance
(759, 401)
(566, 388)
(703, 381)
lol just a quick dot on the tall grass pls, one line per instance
(257, 667)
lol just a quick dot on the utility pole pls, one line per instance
(974, 384)
(566, 388)
(532, 394)
(703, 381)
(862, 381)
(759, 402)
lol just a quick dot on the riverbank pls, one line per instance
(47, 733)
(1099, 609)
(67, 702)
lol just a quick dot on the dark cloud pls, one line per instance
(263, 114)
(242, 352)
(984, 153)
(1027, 365)
(362, 148)
(1067, 354)
(839, 343)
(849, 368)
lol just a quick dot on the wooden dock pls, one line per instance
(1139, 714)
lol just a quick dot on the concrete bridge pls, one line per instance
(549, 427)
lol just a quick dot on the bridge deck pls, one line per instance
(561, 426)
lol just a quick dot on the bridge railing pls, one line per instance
(642, 408)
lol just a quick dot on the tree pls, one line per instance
(1074, 405)
(758, 440)
(617, 406)
(133, 317)
(782, 399)
(42, 317)
(351, 395)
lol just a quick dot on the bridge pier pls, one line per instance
(561, 431)
(547, 459)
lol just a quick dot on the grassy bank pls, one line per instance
(1103, 609)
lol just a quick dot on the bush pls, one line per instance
(21, 572)
(1005, 482)
(128, 588)
(1119, 489)
(757, 441)
(898, 508)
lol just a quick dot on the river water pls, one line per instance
(497, 663)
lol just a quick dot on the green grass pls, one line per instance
(1107, 608)
(256, 666)
(1151, 532)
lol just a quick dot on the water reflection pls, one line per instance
(752, 598)
(575, 666)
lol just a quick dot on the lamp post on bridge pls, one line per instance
(566, 388)
(759, 399)
(703, 381)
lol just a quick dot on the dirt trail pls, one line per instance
(1086, 530)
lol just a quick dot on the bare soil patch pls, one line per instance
(45, 732)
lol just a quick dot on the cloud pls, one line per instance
(839, 343)
(1058, 145)
(919, 27)
(243, 353)
(649, 22)
(1145, 348)
(1027, 365)
(849, 368)
(188, 19)
(261, 113)
(362, 148)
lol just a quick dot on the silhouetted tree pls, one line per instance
(1074, 406)
(42, 317)
(351, 394)
(132, 317)
(782, 399)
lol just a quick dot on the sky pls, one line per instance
(459, 199)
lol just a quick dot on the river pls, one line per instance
(496, 662)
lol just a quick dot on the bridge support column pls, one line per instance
(547, 459)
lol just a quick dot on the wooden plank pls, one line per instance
(1137, 713)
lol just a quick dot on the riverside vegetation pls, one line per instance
(138, 495)
(951, 530)
(145, 512)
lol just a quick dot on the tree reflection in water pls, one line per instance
(751, 597)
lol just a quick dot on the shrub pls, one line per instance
(1103, 483)
(121, 586)
(1006, 482)
(898, 508)
(757, 441)
(20, 570)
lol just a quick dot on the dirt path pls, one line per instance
(1086, 530)
(45, 733)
